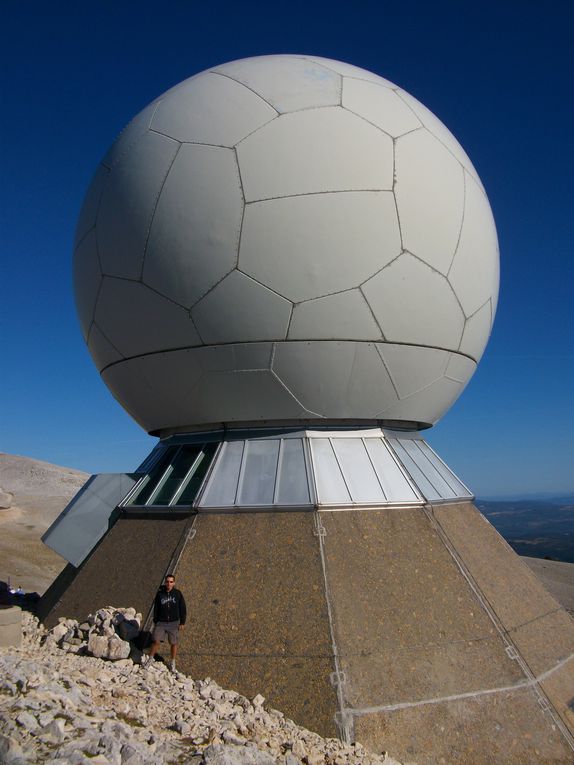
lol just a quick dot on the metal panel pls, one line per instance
(85, 520)
(428, 490)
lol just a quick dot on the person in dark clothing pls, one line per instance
(169, 615)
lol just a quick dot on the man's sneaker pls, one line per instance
(172, 665)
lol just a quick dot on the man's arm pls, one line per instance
(182, 610)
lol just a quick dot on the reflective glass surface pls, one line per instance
(222, 487)
(428, 490)
(150, 482)
(358, 471)
(292, 485)
(257, 482)
(331, 487)
(394, 483)
(458, 489)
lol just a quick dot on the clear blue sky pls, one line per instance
(499, 74)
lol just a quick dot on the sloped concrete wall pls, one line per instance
(427, 673)
(258, 618)
(125, 569)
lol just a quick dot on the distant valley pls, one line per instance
(539, 528)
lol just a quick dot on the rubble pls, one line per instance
(61, 706)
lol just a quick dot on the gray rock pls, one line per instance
(220, 754)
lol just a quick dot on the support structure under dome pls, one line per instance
(261, 470)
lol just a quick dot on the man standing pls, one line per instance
(169, 614)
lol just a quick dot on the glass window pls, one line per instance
(292, 486)
(359, 474)
(456, 488)
(425, 486)
(189, 488)
(331, 487)
(175, 474)
(394, 483)
(257, 483)
(150, 482)
(222, 487)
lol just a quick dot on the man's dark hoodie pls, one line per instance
(169, 606)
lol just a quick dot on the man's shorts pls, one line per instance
(163, 630)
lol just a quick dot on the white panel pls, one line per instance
(476, 332)
(194, 236)
(380, 105)
(395, 485)
(309, 246)
(430, 197)
(349, 70)
(241, 309)
(438, 129)
(286, 82)
(234, 396)
(221, 489)
(257, 483)
(335, 379)
(103, 352)
(212, 109)
(427, 405)
(358, 471)
(343, 316)
(315, 150)
(132, 132)
(128, 204)
(413, 368)
(415, 304)
(87, 279)
(292, 487)
(138, 320)
(88, 213)
(475, 270)
(460, 368)
(331, 489)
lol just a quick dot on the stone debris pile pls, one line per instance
(105, 634)
(64, 707)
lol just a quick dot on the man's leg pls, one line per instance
(173, 648)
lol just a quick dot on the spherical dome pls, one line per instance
(286, 238)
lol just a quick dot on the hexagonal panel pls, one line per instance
(326, 149)
(335, 379)
(132, 132)
(414, 304)
(475, 269)
(103, 352)
(412, 367)
(440, 131)
(430, 197)
(309, 246)
(137, 320)
(89, 211)
(349, 70)
(380, 105)
(240, 309)
(195, 230)
(344, 316)
(211, 109)
(128, 203)
(476, 332)
(87, 277)
(286, 82)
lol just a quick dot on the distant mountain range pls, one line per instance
(539, 528)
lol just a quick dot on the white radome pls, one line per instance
(286, 238)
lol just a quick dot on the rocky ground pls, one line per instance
(32, 495)
(63, 707)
